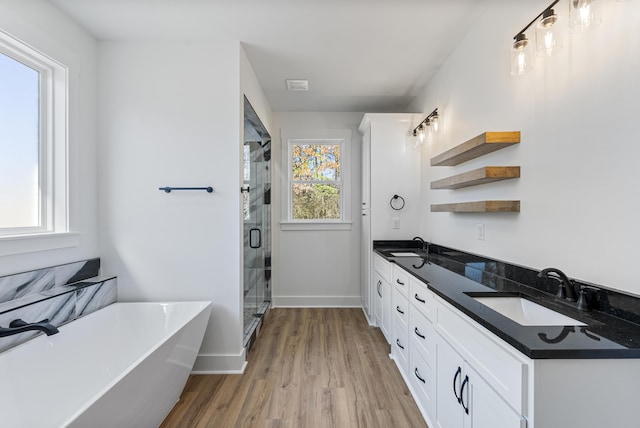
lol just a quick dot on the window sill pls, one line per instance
(10, 245)
(315, 225)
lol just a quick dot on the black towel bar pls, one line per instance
(169, 189)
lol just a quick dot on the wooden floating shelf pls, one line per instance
(481, 145)
(478, 207)
(487, 174)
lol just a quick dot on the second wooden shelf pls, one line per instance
(478, 176)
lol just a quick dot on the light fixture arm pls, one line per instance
(535, 19)
(425, 122)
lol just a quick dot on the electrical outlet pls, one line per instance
(480, 231)
(395, 223)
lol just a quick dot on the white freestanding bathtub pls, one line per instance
(122, 366)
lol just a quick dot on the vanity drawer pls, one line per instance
(401, 280)
(423, 380)
(422, 336)
(400, 309)
(400, 346)
(422, 298)
(383, 267)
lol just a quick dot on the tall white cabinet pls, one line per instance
(390, 166)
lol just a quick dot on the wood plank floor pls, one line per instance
(311, 368)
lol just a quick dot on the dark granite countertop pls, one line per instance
(610, 332)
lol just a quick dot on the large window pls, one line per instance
(33, 141)
(317, 179)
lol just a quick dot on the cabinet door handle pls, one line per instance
(398, 343)
(379, 291)
(420, 335)
(399, 310)
(419, 299)
(399, 282)
(458, 373)
(418, 375)
(464, 383)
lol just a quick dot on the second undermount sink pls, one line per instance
(525, 312)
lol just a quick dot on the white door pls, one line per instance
(449, 411)
(486, 408)
(386, 310)
(365, 267)
(377, 297)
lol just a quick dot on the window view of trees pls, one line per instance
(316, 181)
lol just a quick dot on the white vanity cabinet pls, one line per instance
(462, 375)
(383, 295)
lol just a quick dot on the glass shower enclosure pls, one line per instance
(256, 193)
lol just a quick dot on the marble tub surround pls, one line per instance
(59, 305)
(60, 294)
(611, 330)
(24, 284)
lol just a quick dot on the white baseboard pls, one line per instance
(220, 364)
(316, 302)
(371, 322)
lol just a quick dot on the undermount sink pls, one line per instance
(404, 254)
(525, 312)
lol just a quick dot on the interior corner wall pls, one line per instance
(45, 28)
(577, 113)
(170, 116)
(250, 87)
(316, 268)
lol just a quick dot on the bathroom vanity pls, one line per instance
(478, 348)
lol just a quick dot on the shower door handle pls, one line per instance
(252, 240)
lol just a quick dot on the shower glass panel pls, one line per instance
(256, 193)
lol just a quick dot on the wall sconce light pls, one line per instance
(429, 124)
(583, 15)
(547, 41)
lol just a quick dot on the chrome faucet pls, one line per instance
(567, 287)
(19, 326)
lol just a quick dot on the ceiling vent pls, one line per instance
(297, 85)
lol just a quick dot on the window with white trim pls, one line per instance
(316, 179)
(33, 142)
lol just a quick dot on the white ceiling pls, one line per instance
(359, 55)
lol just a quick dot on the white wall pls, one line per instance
(579, 153)
(42, 26)
(316, 268)
(171, 116)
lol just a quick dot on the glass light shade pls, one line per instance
(421, 134)
(548, 40)
(434, 122)
(521, 56)
(584, 15)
